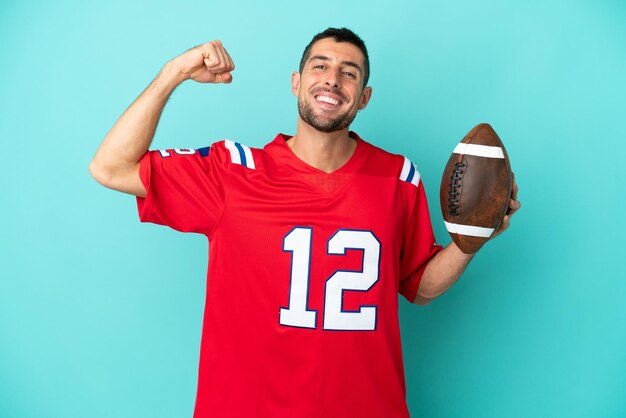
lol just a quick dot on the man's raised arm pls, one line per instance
(116, 163)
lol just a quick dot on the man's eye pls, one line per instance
(349, 74)
(320, 66)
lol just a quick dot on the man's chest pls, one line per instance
(318, 260)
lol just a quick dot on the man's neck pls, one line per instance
(326, 151)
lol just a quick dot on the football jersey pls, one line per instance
(305, 267)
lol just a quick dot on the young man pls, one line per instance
(311, 239)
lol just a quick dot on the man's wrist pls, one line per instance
(168, 79)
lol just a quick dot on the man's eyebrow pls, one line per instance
(325, 58)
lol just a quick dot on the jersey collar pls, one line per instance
(284, 156)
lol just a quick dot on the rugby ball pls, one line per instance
(476, 188)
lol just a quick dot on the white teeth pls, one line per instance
(327, 100)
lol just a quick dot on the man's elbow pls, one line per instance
(423, 300)
(124, 180)
(426, 294)
(107, 176)
(100, 174)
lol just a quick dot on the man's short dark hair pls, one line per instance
(340, 35)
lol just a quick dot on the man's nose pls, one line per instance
(333, 79)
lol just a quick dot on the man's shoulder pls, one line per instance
(237, 153)
(383, 163)
(380, 153)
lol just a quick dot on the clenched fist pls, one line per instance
(206, 63)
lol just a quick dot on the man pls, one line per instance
(311, 239)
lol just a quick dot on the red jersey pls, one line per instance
(305, 267)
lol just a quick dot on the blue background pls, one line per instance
(100, 316)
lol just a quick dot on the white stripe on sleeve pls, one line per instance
(234, 152)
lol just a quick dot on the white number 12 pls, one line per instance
(298, 242)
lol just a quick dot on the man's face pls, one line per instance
(330, 88)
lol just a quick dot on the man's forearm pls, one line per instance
(442, 272)
(132, 134)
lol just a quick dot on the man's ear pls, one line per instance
(365, 97)
(295, 83)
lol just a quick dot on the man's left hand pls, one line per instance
(514, 206)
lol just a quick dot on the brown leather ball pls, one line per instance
(476, 188)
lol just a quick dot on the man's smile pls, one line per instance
(328, 99)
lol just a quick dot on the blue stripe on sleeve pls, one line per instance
(204, 152)
(409, 178)
(242, 154)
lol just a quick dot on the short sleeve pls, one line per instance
(186, 188)
(419, 244)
